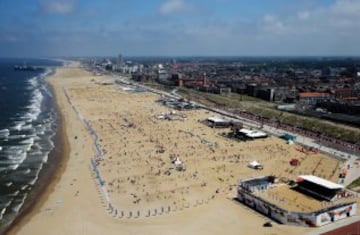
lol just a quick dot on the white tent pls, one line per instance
(178, 162)
(254, 165)
(179, 165)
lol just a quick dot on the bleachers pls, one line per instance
(317, 190)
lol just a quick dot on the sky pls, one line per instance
(36, 28)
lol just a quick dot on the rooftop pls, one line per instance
(313, 94)
(320, 181)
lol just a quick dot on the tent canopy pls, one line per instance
(319, 181)
(254, 164)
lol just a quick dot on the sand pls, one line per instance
(144, 193)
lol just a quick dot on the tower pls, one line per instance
(204, 80)
(119, 61)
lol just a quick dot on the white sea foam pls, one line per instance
(18, 158)
(8, 203)
(33, 81)
(15, 160)
(17, 125)
(15, 193)
(45, 158)
(27, 141)
(40, 129)
(13, 166)
(33, 181)
(15, 154)
(4, 133)
(36, 100)
(36, 105)
(27, 127)
(15, 148)
(24, 187)
(18, 206)
(14, 137)
(2, 213)
(8, 184)
(36, 147)
(27, 171)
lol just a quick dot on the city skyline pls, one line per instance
(179, 28)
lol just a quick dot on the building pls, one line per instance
(312, 98)
(266, 94)
(345, 93)
(119, 61)
(253, 192)
(252, 89)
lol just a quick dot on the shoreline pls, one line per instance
(50, 174)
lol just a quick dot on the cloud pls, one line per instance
(324, 30)
(58, 6)
(346, 7)
(303, 15)
(273, 24)
(174, 6)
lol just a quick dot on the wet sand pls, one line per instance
(143, 191)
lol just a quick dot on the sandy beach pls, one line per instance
(142, 192)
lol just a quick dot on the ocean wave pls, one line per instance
(7, 203)
(15, 137)
(24, 187)
(27, 127)
(27, 171)
(33, 82)
(36, 147)
(17, 125)
(17, 207)
(13, 166)
(35, 105)
(2, 213)
(4, 133)
(33, 181)
(45, 158)
(15, 151)
(15, 148)
(27, 141)
(14, 193)
(17, 159)
(39, 87)
(3, 169)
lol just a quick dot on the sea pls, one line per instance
(28, 124)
